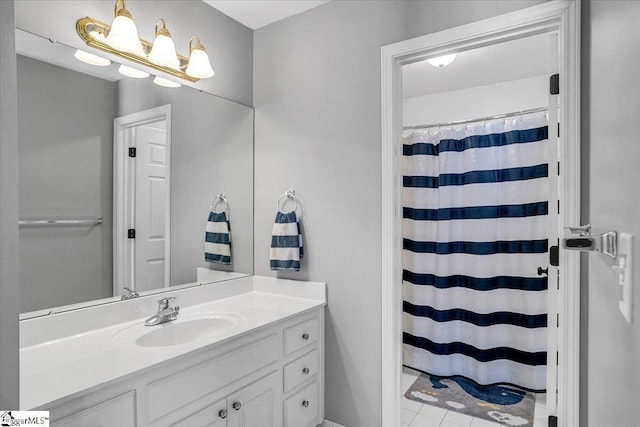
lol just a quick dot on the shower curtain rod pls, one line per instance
(460, 122)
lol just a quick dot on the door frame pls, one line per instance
(122, 193)
(563, 17)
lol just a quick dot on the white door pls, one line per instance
(552, 276)
(141, 205)
(257, 405)
(151, 201)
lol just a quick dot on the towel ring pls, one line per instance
(220, 198)
(287, 195)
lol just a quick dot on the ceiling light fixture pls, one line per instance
(442, 61)
(90, 58)
(122, 40)
(132, 72)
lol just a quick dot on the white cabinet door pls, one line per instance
(257, 405)
(212, 416)
(118, 411)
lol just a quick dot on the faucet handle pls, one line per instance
(164, 302)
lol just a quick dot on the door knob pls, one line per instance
(222, 413)
(305, 371)
(236, 405)
(305, 336)
(305, 403)
(542, 271)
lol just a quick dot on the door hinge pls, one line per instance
(553, 421)
(132, 151)
(554, 256)
(131, 233)
(554, 84)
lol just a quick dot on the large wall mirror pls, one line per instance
(117, 177)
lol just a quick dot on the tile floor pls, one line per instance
(416, 414)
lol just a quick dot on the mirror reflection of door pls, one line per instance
(141, 200)
(149, 208)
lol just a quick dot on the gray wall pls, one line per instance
(211, 153)
(317, 100)
(9, 258)
(65, 129)
(228, 43)
(611, 108)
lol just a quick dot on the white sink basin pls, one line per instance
(185, 329)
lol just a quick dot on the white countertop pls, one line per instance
(68, 365)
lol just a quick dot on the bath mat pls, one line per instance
(501, 404)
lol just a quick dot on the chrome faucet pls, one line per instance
(129, 293)
(165, 313)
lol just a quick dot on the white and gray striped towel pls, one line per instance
(217, 242)
(286, 243)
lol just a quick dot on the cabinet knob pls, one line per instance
(305, 371)
(305, 403)
(305, 336)
(222, 413)
(236, 405)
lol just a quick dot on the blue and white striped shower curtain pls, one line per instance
(474, 232)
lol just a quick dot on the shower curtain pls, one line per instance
(474, 232)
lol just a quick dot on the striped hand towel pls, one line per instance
(217, 242)
(286, 243)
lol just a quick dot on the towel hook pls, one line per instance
(288, 195)
(220, 198)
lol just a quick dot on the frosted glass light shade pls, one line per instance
(163, 52)
(199, 65)
(442, 61)
(132, 72)
(123, 36)
(165, 83)
(90, 58)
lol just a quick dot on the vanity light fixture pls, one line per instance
(90, 58)
(122, 40)
(442, 61)
(132, 72)
(163, 51)
(199, 65)
(123, 34)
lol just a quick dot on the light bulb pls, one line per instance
(199, 65)
(90, 58)
(123, 34)
(132, 72)
(442, 61)
(165, 83)
(163, 51)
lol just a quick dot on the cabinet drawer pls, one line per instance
(210, 416)
(296, 372)
(119, 411)
(300, 335)
(301, 409)
(169, 394)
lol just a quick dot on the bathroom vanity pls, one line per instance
(245, 352)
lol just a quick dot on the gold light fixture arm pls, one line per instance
(85, 26)
(198, 44)
(162, 31)
(122, 11)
